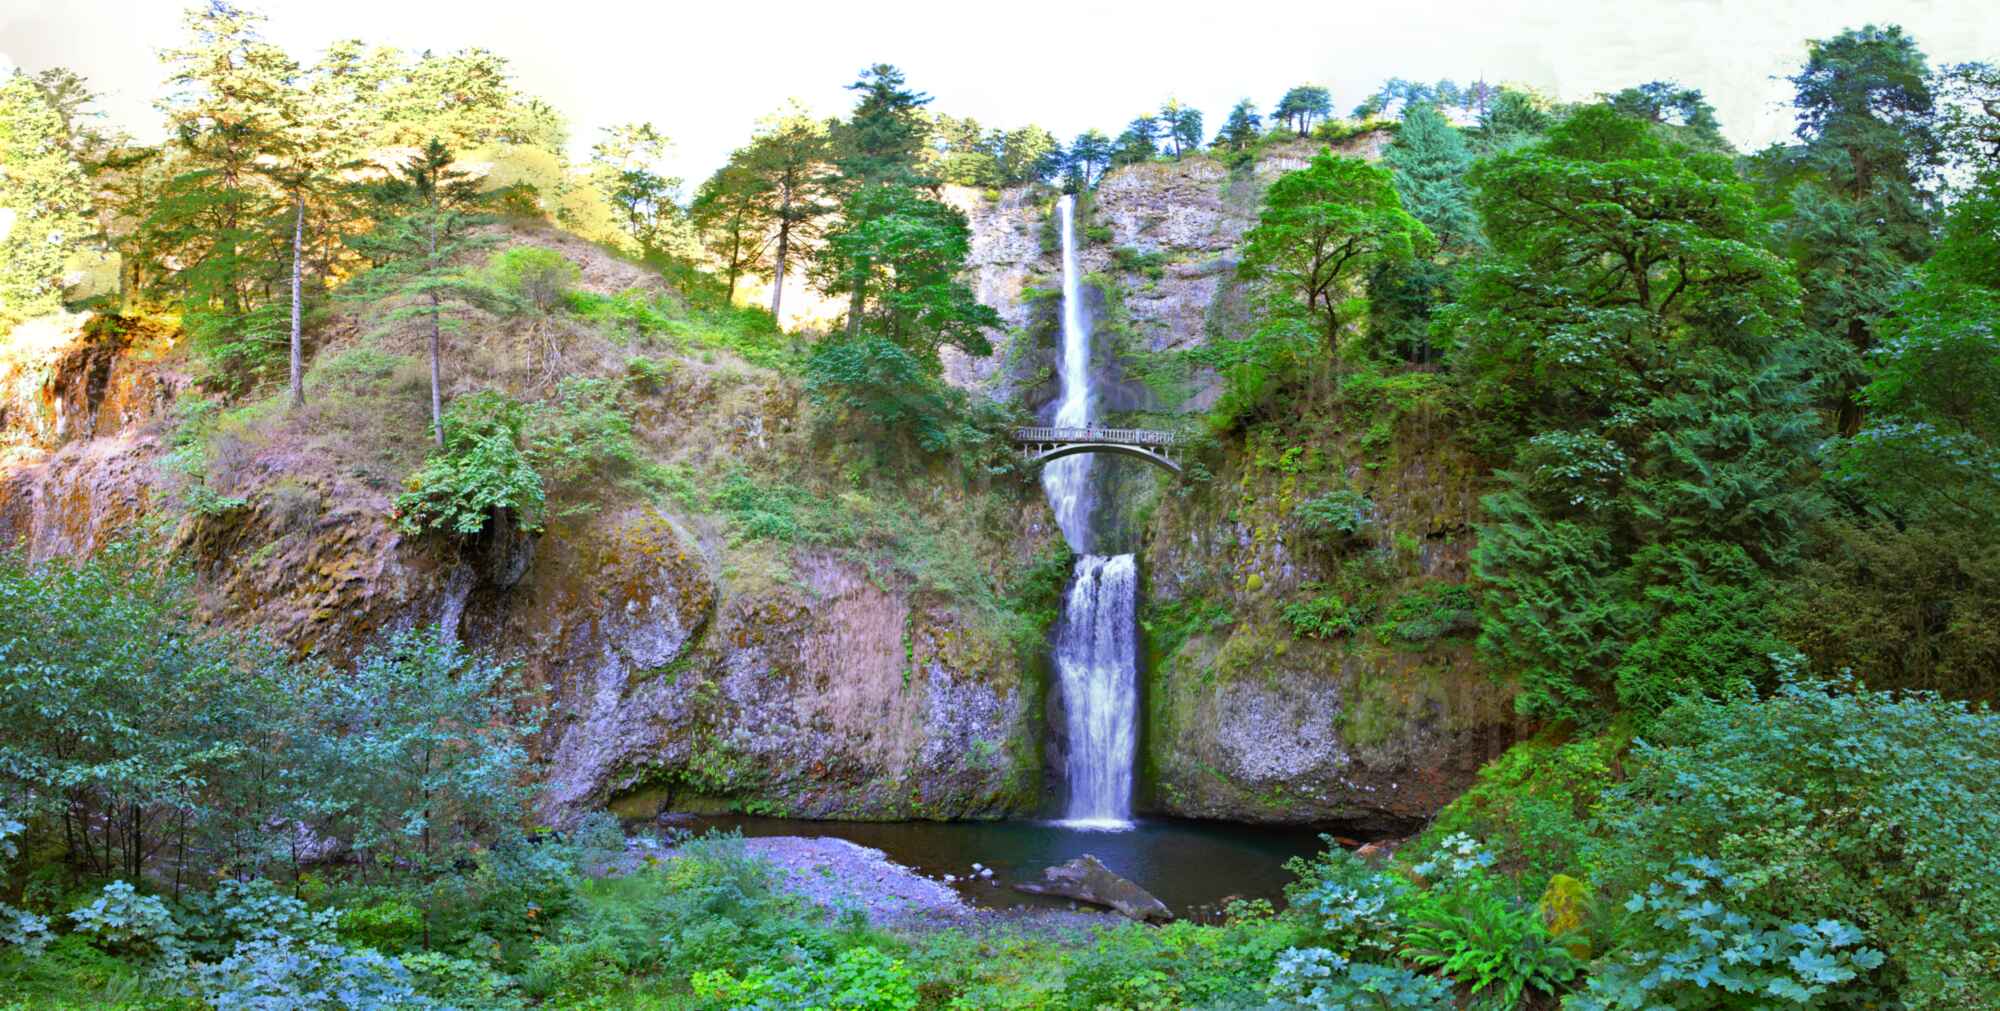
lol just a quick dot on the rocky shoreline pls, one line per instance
(838, 876)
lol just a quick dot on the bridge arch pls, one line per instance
(1040, 445)
(1038, 457)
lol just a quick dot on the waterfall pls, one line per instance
(1096, 660)
(1067, 481)
(1096, 654)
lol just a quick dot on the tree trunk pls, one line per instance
(437, 379)
(778, 276)
(298, 349)
(437, 352)
(854, 306)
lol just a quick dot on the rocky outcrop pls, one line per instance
(834, 698)
(1373, 724)
(685, 665)
(1163, 234)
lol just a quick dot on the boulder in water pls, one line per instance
(1086, 879)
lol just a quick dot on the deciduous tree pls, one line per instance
(44, 201)
(1324, 225)
(1635, 354)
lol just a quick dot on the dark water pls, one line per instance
(1191, 865)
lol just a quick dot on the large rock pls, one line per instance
(1366, 729)
(1086, 879)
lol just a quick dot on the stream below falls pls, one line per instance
(1192, 866)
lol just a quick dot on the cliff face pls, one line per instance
(879, 665)
(1298, 675)
(689, 664)
(1374, 725)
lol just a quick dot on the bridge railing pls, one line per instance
(1124, 436)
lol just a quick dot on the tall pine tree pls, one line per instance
(428, 211)
(1861, 211)
(220, 220)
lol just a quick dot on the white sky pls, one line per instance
(704, 72)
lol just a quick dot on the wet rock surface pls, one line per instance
(1086, 879)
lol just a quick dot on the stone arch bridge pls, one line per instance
(1040, 445)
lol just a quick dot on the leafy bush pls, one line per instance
(238, 911)
(124, 922)
(1826, 802)
(1686, 949)
(481, 472)
(857, 979)
(539, 278)
(428, 743)
(518, 893)
(459, 982)
(18, 927)
(1170, 625)
(392, 924)
(1532, 805)
(1337, 516)
(1492, 943)
(1319, 980)
(647, 375)
(637, 316)
(281, 972)
(1151, 263)
(889, 388)
(574, 969)
(1177, 966)
(187, 457)
(1323, 616)
(1356, 907)
(581, 436)
(1431, 612)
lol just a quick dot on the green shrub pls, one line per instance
(393, 924)
(857, 979)
(574, 969)
(1828, 802)
(1533, 805)
(481, 472)
(1181, 965)
(1170, 625)
(1339, 517)
(1356, 908)
(647, 375)
(540, 278)
(581, 436)
(761, 511)
(1491, 942)
(1324, 616)
(123, 922)
(633, 316)
(1432, 611)
(1685, 947)
(1316, 979)
(18, 927)
(889, 389)
(1152, 263)
(459, 982)
(277, 971)
(237, 911)
(195, 421)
